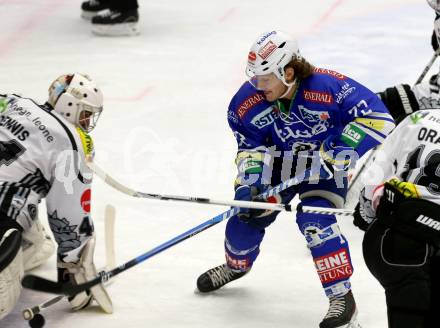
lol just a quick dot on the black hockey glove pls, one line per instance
(364, 213)
(360, 220)
(400, 101)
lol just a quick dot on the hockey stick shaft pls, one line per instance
(109, 223)
(44, 285)
(428, 66)
(233, 203)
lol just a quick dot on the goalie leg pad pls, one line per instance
(11, 268)
(82, 272)
(37, 245)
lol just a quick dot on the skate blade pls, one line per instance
(353, 322)
(124, 29)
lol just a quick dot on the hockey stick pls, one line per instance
(428, 66)
(48, 286)
(109, 224)
(200, 200)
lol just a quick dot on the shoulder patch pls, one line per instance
(417, 116)
(335, 74)
(3, 105)
(249, 103)
(86, 141)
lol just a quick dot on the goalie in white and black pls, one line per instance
(43, 149)
(400, 210)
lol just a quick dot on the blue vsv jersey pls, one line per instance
(326, 104)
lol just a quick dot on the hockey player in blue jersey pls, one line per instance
(304, 113)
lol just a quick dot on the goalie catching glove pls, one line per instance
(81, 272)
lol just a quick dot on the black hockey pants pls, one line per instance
(409, 271)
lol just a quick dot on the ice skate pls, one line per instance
(116, 23)
(342, 313)
(91, 8)
(217, 277)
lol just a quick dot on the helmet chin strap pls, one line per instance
(289, 87)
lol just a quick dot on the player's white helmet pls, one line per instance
(270, 53)
(78, 99)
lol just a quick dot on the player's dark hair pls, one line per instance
(301, 67)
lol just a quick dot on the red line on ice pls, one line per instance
(326, 15)
(226, 15)
(38, 16)
(142, 94)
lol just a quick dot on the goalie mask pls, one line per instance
(268, 56)
(78, 99)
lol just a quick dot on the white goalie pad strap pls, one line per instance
(316, 236)
(10, 284)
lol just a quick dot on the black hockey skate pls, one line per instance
(217, 277)
(92, 7)
(342, 313)
(116, 23)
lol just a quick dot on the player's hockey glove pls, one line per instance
(336, 155)
(81, 272)
(248, 193)
(400, 101)
(363, 213)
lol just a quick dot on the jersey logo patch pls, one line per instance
(318, 97)
(313, 115)
(249, 103)
(85, 200)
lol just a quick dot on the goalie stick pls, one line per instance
(109, 224)
(48, 286)
(234, 203)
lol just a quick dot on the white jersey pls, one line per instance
(427, 95)
(410, 153)
(43, 156)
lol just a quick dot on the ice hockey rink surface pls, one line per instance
(164, 131)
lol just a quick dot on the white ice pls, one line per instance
(164, 130)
